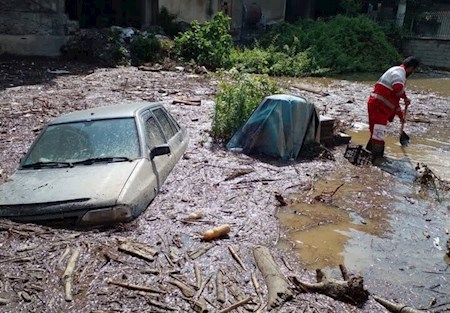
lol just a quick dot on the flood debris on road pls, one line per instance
(158, 262)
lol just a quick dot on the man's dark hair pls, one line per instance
(411, 62)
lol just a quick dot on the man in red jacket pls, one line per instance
(384, 103)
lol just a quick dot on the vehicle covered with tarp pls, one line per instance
(279, 127)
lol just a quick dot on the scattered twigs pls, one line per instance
(236, 305)
(394, 307)
(202, 287)
(237, 257)
(327, 196)
(220, 288)
(135, 287)
(257, 290)
(279, 290)
(68, 274)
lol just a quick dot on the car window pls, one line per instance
(153, 133)
(72, 142)
(169, 128)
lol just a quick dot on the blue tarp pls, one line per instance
(279, 127)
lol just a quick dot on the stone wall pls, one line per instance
(432, 52)
(33, 27)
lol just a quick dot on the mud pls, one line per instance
(33, 258)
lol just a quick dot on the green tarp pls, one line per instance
(279, 127)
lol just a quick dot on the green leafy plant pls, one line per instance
(207, 43)
(341, 44)
(239, 94)
(145, 49)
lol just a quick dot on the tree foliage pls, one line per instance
(207, 43)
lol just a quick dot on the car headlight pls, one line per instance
(111, 215)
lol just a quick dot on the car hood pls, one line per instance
(102, 182)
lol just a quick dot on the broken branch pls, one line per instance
(68, 274)
(277, 286)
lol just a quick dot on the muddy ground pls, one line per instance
(33, 258)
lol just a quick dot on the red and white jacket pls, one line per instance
(389, 90)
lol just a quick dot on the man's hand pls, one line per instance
(407, 102)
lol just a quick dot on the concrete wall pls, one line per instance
(203, 10)
(33, 27)
(190, 10)
(431, 52)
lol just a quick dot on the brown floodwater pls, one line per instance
(378, 221)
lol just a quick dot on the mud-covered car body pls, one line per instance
(96, 166)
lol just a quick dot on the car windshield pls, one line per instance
(114, 140)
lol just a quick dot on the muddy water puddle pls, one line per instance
(379, 222)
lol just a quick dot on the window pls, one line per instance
(169, 128)
(77, 141)
(154, 135)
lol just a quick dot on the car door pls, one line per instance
(154, 137)
(175, 135)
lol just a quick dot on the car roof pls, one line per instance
(105, 112)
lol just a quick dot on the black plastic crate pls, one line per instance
(357, 155)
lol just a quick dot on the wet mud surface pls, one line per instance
(34, 259)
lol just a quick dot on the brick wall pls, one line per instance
(432, 52)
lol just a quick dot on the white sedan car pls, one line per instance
(98, 166)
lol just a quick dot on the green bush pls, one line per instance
(239, 94)
(251, 60)
(341, 44)
(207, 43)
(145, 49)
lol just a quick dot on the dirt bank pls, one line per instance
(33, 258)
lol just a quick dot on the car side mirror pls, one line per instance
(159, 150)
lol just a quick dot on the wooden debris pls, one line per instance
(394, 307)
(199, 305)
(185, 289)
(311, 89)
(198, 275)
(327, 197)
(202, 287)
(350, 290)
(68, 274)
(25, 296)
(139, 250)
(280, 199)
(448, 247)
(257, 289)
(135, 287)
(278, 288)
(194, 102)
(200, 251)
(194, 216)
(216, 232)
(238, 173)
(152, 271)
(161, 305)
(236, 257)
(236, 305)
(4, 301)
(220, 288)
